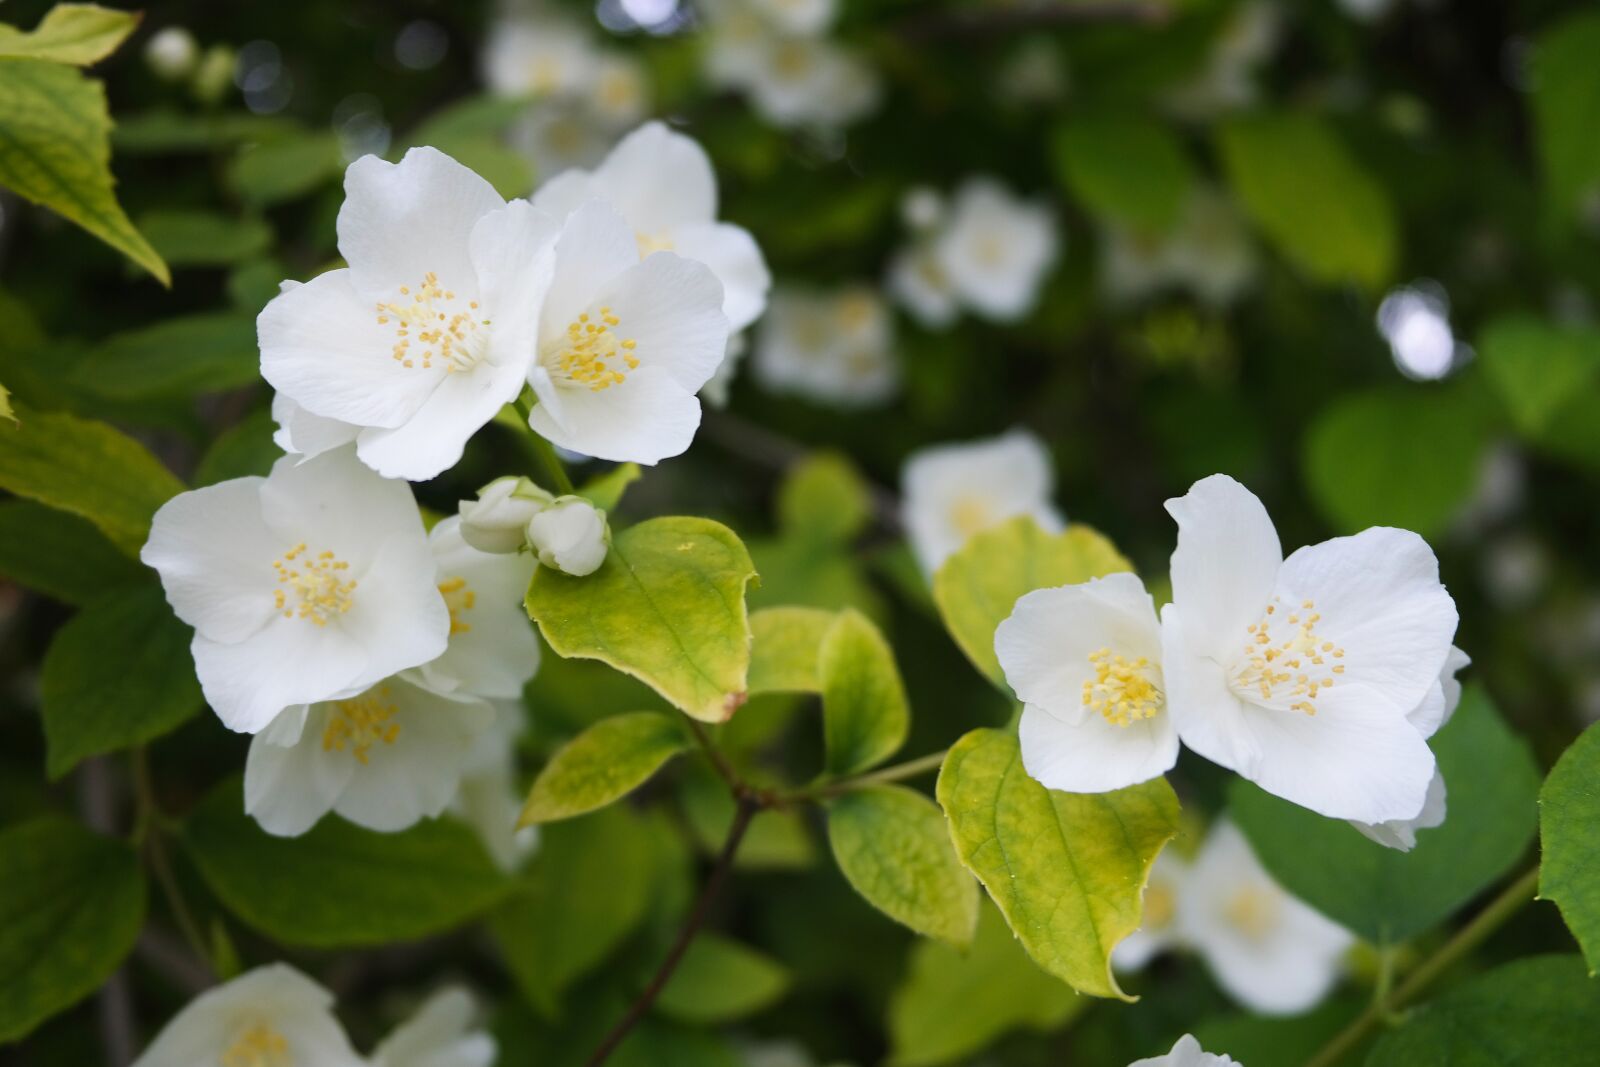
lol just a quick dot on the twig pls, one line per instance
(149, 834)
(994, 20)
(1469, 937)
(724, 769)
(746, 810)
(899, 772)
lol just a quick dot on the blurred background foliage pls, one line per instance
(1417, 346)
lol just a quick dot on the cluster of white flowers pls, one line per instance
(1269, 950)
(835, 346)
(276, 1015)
(777, 52)
(987, 251)
(581, 96)
(1319, 677)
(1209, 253)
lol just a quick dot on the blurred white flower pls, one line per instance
(1209, 252)
(996, 248)
(624, 344)
(1299, 674)
(570, 535)
(775, 52)
(271, 1015)
(498, 520)
(1085, 660)
(620, 93)
(1158, 927)
(171, 53)
(383, 759)
(429, 331)
(1186, 1053)
(311, 584)
(797, 16)
(560, 134)
(537, 55)
(663, 185)
(950, 492)
(440, 1034)
(715, 391)
(490, 799)
(919, 282)
(835, 346)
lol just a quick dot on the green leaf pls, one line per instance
(79, 34)
(603, 764)
(5, 406)
(1126, 168)
(1565, 99)
(89, 469)
(813, 574)
(287, 168)
(55, 151)
(977, 587)
(1315, 201)
(117, 674)
(59, 554)
(485, 115)
(721, 980)
(588, 889)
(1280, 1041)
(822, 499)
(1388, 896)
(159, 132)
(893, 847)
(71, 905)
(509, 172)
(242, 450)
(1533, 1012)
(1066, 869)
(954, 1003)
(1406, 457)
(1569, 812)
(340, 885)
(1538, 367)
(204, 238)
(865, 716)
(666, 606)
(174, 357)
(784, 649)
(605, 491)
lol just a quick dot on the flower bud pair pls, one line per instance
(497, 521)
(567, 533)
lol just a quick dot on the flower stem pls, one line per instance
(898, 772)
(543, 450)
(1469, 937)
(148, 836)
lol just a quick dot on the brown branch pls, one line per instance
(748, 806)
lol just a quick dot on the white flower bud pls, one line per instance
(498, 520)
(172, 53)
(570, 535)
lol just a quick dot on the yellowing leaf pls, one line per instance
(784, 647)
(604, 763)
(55, 151)
(1066, 869)
(79, 34)
(864, 711)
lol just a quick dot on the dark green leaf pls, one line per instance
(1569, 814)
(59, 554)
(720, 980)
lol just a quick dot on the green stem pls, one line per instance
(1469, 937)
(544, 450)
(899, 772)
(148, 836)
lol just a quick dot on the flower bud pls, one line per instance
(172, 53)
(570, 535)
(498, 520)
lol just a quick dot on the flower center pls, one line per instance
(1121, 690)
(1285, 663)
(359, 723)
(989, 250)
(591, 354)
(314, 587)
(460, 599)
(971, 513)
(1253, 910)
(431, 324)
(258, 1045)
(792, 60)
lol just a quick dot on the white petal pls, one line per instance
(323, 347)
(432, 440)
(648, 418)
(1442, 697)
(732, 254)
(438, 1035)
(596, 244)
(287, 662)
(398, 614)
(566, 192)
(1095, 756)
(1209, 718)
(214, 553)
(1401, 834)
(401, 220)
(513, 253)
(672, 308)
(336, 502)
(1164, 892)
(287, 788)
(305, 434)
(659, 179)
(1225, 565)
(1186, 1053)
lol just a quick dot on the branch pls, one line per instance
(748, 806)
(899, 772)
(996, 20)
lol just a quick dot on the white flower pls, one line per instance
(557, 134)
(1186, 1053)
(538, 56)
(1086, 662)
(171, 53)
(302, 434)
(383, 759)
(271, 1015)
(715, 391)
(620, 93)
(810, 81)
(498, 520)
(1429, 716)
(918, 281)
(571, 536)
(1267, 949)
(624, 344)
(429, 331)
(489, 799)
(1158, 928)
(951, 492)
(1209, 252)
(664, 187)
(834, 346)
(1299, 674)
(310, 584)
(492, 650)
(996, 249)
(440, 1034)
(800, 17)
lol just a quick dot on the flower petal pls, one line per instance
(646, 419)
(1225, 565)
(287, 662)
(672, 308)
(1095, 756)
(431, 441)
(1401, 834)
(596, 244)
(1208, 716)
(513, 254)
(734, 257)
(288, 788)
(659, 179)
(305, 434)
(214, 552)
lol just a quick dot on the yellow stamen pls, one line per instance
(1121, 690)
(319, 583)
(359, 723)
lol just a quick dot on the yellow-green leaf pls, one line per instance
(784, 647)
(1569, 811)
(666, 606)
(604, 763)
(605, 491)
(1067, 869)
(720, 980)
(977, 586)
(823, 499)
(892, 846)
(55, 151)
(5, 405)
(865, 715)
(79, 34)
